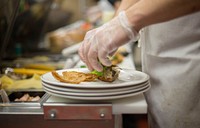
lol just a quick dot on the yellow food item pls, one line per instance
(29, 71)
(117, 58)
(5, 80)
(10, 84)
(40, 66)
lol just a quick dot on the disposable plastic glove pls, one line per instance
(101, 43)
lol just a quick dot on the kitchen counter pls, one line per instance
(135, 105)
(54, 111)
(130, 105)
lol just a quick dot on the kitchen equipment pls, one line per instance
(3, 94)
(12, 96)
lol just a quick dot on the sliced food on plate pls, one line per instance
(74, 77)
(109, 74)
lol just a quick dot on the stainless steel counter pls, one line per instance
(130, 105)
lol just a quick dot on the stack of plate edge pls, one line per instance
(95, 93)
(130, 82)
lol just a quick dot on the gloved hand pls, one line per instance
(101, 43)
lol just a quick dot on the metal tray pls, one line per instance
(17, 94)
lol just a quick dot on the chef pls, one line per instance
(170, 41)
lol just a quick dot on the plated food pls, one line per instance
(137, 83)
(109, 74)
(74, 77)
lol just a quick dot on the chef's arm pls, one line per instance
(147, 12)
(125, 4)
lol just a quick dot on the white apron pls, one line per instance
(171, 56)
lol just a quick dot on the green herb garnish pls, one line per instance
(97, 73)
(83, 66)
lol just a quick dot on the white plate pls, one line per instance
(95, 94)
(93, 90)
(136, 78)
(98, 98)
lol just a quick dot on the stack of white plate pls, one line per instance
(129, 83)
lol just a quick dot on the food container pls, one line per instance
(18, 94)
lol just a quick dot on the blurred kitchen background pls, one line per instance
(30, 28)
(34, 33)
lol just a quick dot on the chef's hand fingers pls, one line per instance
(93, 60)
(103, 41)
(85, 46)
(104, 56)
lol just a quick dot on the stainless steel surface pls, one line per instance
(21, 111)
(4, 96)
(27, 104)
(24, 108)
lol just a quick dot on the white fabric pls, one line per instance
(171, 56)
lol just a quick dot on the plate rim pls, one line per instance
(103, 85)
(100, 98)
(93, 89)
(95, 94)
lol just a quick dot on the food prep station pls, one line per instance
(51, 111)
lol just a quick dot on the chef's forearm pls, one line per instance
(125, 4)
(147, 12)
